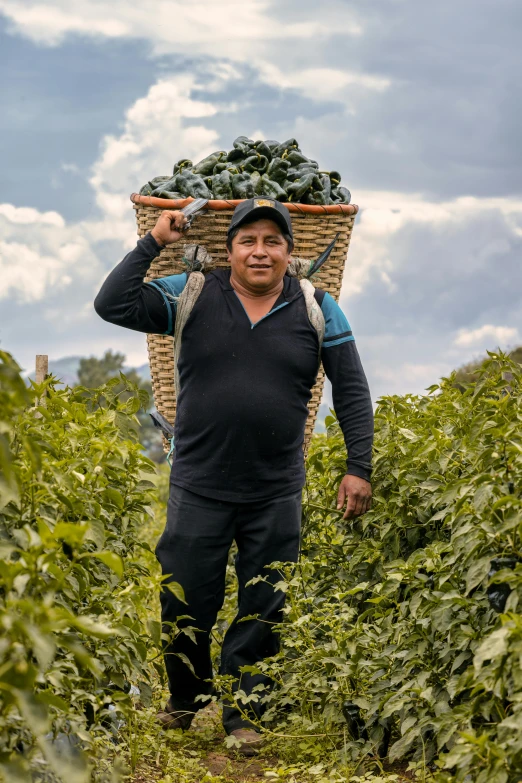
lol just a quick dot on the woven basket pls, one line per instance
(314, 227)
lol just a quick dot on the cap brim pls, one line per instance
(262, 213)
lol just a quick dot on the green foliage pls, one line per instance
(74, 494)
(94, 372)
(392, 612)
(470, 372)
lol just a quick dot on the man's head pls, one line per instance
(259, 243)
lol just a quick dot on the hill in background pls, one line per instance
(468, 373)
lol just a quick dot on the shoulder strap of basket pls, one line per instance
(313, 301)
(186, 301)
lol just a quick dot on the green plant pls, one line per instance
(75, 492)
(409, 614)
(395, 613)
(94, 373)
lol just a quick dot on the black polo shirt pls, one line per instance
(244, 388)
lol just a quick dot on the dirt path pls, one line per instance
(188, 757)
(202, 749)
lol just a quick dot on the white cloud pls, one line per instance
(41, 255)
(49, 23)
(27, 274)
(70, 168)
(145, 149)
(325, 83)
(431, 285)
(279, 46)
(487, 334)
(27, 215)
(409, 376)
(230, 28)
(385, 216)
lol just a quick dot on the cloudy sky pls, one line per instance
(416, 103)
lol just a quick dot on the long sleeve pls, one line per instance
(125, 300)
(351, 395)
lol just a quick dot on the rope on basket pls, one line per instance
(315, 314)
(299, 267)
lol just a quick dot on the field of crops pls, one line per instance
(401, 648)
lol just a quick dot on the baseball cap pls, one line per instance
(261, 207)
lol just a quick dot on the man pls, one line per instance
(248, 361)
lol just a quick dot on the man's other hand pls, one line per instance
(357, 494)
(169, 227)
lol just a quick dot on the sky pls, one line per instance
(417, 104)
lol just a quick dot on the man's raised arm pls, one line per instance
(125, 300)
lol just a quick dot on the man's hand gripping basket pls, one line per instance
(314, 227)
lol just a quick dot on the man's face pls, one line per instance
(259, 256)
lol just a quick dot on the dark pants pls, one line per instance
(193, 550)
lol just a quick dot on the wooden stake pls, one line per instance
(42, 367)
(42, 371)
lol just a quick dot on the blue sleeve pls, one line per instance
(337, 328)
(170, 288)
(351, 395)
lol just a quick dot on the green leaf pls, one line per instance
(111, 560)
(155, 631)
(482, 497)
(44, 646)
(145, 693)
(33, 712)
(72, 534)
(96, 532)
(93, 628)
(52, 700)
(459, 660)
(494, 646)
(186, 661)
(176, 589)
(115, 497)
(16, 770)
(431, 484)
(477, 572)
(399, 749)
(190, 633)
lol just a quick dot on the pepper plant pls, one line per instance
(402, 629)
(75, 628)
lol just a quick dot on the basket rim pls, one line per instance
(218, 205)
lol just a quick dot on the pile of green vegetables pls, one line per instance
(252, 168)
